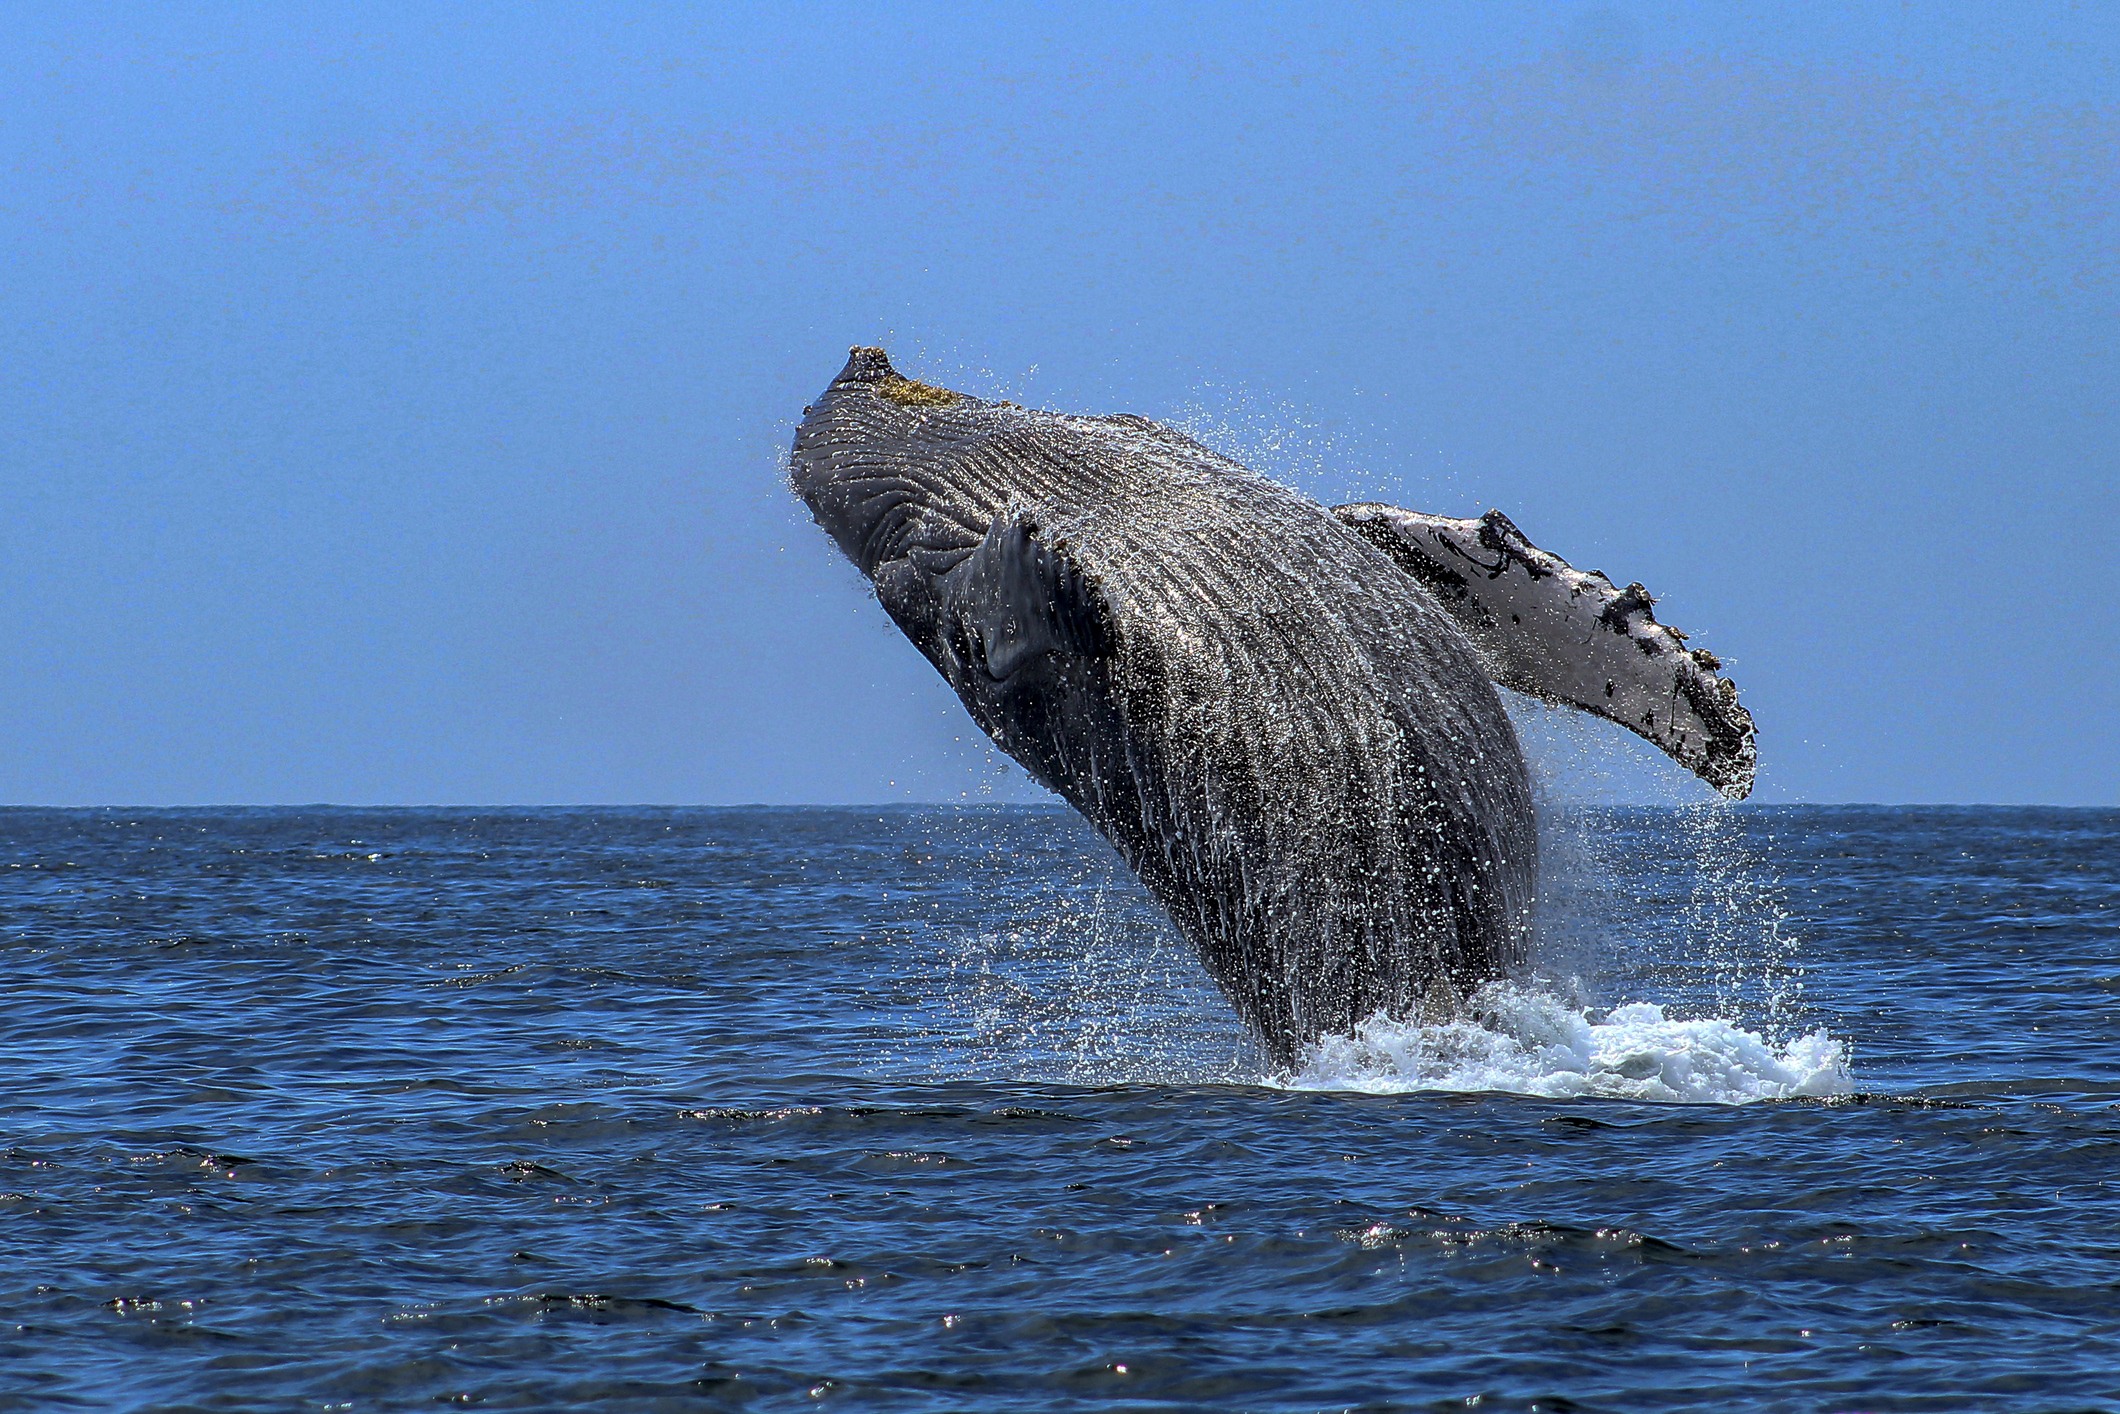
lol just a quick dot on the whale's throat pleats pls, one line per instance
(1304, 763)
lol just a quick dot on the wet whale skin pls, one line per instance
(1285, 735)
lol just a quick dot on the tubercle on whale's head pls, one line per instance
(871, 368)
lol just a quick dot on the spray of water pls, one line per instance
(1080, 981)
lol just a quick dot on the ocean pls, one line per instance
(925, 1108)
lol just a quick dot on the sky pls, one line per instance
(396, 399)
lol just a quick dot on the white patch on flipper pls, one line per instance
(1564, 636)
(1533, 1043)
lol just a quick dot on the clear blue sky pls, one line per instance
(395, 397)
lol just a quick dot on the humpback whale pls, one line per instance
(1283, 716)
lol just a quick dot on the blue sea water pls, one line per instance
(923, 1108)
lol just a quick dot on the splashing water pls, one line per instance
(1670, 902)
(1530, 1042)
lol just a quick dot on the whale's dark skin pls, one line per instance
(1288, 730)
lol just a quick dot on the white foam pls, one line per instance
(1533, 1043)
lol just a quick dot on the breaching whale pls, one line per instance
(1283, 716)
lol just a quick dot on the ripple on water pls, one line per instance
(924, 1110)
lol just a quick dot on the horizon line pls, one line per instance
(1053, 804)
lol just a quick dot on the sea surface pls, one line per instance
(925, 1109)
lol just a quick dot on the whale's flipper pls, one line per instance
(1017, 598)
(1564, 636)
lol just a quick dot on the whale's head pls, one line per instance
(889, 468)
(871, 462)
(951, 505)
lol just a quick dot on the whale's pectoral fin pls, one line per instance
(1019, 597)
(1558, 634)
